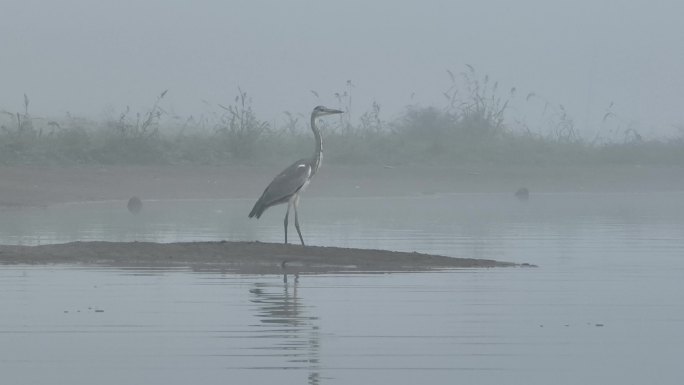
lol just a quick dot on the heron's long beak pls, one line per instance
(332, 111)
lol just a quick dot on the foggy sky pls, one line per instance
(92, 58)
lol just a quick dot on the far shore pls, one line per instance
(46, 185)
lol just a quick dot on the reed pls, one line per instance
(472, 127)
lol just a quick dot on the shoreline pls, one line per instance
(40, 186)
(22, 186)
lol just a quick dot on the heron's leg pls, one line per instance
(296, 203)
(287, 213)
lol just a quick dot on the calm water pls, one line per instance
(606, 305)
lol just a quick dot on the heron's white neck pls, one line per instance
(318, 155)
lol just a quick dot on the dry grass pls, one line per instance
(472, 128)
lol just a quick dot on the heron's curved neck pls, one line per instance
(318, 155)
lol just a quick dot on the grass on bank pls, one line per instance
(472, 128)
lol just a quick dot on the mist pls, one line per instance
(94, 61)
(500, 199)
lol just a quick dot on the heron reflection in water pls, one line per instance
(287, 322)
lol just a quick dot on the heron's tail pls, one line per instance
(257, 210)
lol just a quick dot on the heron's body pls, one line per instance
(291, 182)
(285, 187)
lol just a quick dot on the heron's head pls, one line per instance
(322, 111)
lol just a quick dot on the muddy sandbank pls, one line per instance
(237, 257)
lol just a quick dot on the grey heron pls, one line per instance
(289, 184)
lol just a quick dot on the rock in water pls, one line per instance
(522, 194)
(134, 205)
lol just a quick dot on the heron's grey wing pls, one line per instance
(283, 186)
